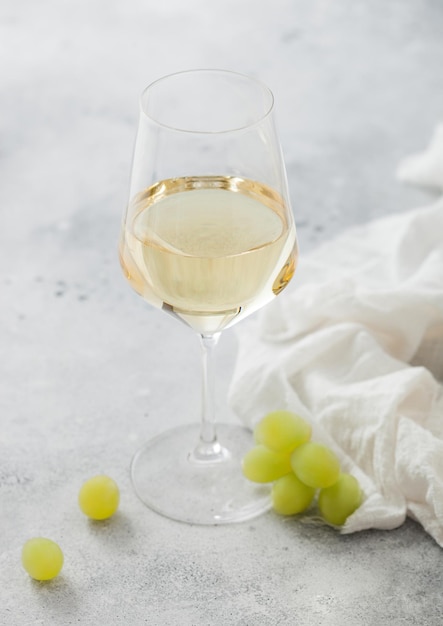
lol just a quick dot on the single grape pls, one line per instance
(262, 465)
(282, 431)
(99, 497)
(336, 503)
(315, 465)
(42, 558)
(290, 496)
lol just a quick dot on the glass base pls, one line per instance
(173, 477)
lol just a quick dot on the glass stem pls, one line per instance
(208, 449)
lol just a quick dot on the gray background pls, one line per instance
(88, 371)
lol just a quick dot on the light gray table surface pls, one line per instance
(88, 371)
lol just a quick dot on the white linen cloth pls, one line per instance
(425, 168)
(355, 345)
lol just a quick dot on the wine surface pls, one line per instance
(209, 249)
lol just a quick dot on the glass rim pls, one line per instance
(246, 77)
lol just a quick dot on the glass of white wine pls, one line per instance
(208, 237)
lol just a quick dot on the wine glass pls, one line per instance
(208, 237)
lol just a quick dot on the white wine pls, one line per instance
(208, 249)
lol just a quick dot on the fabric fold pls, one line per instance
(355, 345)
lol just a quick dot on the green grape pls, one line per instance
(315, 465)
(262, 465)
(282, 431)
(336, 503)
(290, 496)
(42, 558)
(99, 497)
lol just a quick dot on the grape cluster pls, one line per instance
(299, 469)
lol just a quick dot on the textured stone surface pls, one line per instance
(89, 372)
